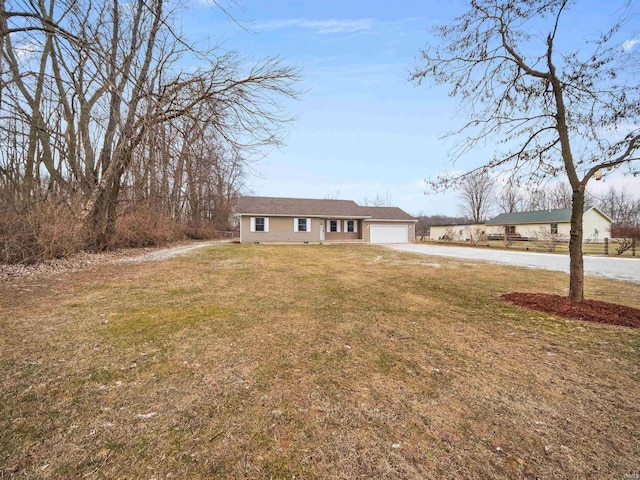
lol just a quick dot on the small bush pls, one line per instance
(44, 230)
(200, 231)
(144, 229)
(47, 230)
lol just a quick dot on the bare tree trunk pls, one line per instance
(576, 263)
(101, 206)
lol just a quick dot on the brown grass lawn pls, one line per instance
(312, 362)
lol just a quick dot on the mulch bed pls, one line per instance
(589, 310)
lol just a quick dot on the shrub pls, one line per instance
(145, 229)
(200, 230)
(44, 230)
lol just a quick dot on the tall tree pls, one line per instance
(477, 194)
(511, 198)
(621, 206)
(109, 113)
(549, 196)
(552, 111)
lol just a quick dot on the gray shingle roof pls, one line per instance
(387, 213)
(314, 207)
(558, 215)
(299, 206)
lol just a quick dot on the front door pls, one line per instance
(321, 230)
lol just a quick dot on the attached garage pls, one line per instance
(389, 234)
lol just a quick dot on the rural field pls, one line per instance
(283, 362)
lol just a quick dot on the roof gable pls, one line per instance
(596, 209)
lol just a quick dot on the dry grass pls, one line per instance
(311, 362)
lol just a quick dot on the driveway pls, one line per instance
(618, 268)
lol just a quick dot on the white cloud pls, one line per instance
(629, 44)
(26, 50)
(322, 27)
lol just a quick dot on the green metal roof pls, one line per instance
(558, 215)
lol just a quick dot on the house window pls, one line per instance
(351, 226)
(301, 224)
(554, 228)
(259, 224)
(333, 225)
(510, 229)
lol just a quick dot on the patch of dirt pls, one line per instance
(589, 310)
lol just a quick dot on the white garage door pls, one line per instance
(389, 234)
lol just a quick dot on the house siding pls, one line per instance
(543, 230)
(280, 230)
(593, 221)
(342, 235)
(462, 232)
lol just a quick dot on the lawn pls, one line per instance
(253, 361)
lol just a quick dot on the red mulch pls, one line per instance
(589, 310)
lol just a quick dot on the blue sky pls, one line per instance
(361, 129)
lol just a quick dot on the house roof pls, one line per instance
(315, 207)
(558, 215)
(299, 206)
(387, 213)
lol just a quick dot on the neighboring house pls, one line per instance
(274, 219)
(539, 224)
(596, 226)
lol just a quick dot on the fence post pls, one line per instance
(606, 246)
(633, 247)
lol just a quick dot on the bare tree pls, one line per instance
(333, 195)
(108, 115)
(553, 112)
(537, 199)
(551, 196)
(624, 210)
(378, 201)
(621, 207)
(511, 199)
(477, 195)
(560, 195)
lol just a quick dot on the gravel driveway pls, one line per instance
(618, 268)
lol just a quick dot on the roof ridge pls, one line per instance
(301, 198)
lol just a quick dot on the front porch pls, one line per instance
(341, 230)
